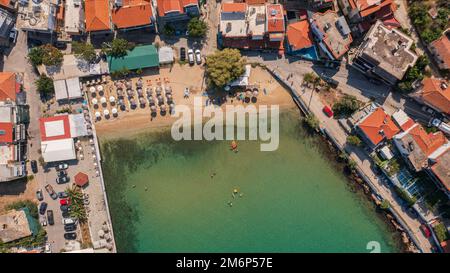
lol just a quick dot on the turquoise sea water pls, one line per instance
(293, 199)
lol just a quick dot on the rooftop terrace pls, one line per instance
(37, 17)
(389, 49)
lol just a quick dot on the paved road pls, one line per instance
(16, 61)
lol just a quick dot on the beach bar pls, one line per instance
(139, 57)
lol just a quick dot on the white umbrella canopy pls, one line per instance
(114, 110)
(94, 101)
(97, 114)
(248, 93)
(255, 93)
(103, 100)
(92, 89)
(106, 112)
(153, 108)
(112, 99)
(100, 87)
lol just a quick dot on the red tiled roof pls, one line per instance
(299, 35)
(6, 132)
(255, 2)
(81, 179)
(234, 7)
(275, 18)
(165, 6)
(442, 47)
(428, 143)
(97, 15)
(8, 86)
(66, 127)
(436, 95)
(442, 169)
(133, 13)
(408, 124)
(5, 3)
(378, 125)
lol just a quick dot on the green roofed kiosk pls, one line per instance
(140, 57)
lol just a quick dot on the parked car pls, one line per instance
(426, 231)
(39, 195)
(427, 109)
(42, 208)
(63, 202)
(68, 221)
(64, 208)
(327, 110)
(62, 194)
(62, 180)
(70, 236)
(50, 219)
(34, 166)
(63, 166)
(51, 192)
(69, 228)
(65, 214)
(198, 56)
(183, 54)
(13, 35)
(191, 57)
(62, 173)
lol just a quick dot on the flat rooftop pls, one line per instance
(6, 154)
(256, 20)
(14, 225)
(74, 16)
(38, 17)
(442, 169)
(390, 48)
(337, 36)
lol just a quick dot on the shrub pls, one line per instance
(346, 106)
(312, 122)
(385, 205)
(197, 28)
(410, 200)
(354, 140)
(45, 85)
(441, 232)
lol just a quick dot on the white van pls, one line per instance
(68, 221)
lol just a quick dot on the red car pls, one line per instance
(64, 202)
(327, 110)
(426, 231)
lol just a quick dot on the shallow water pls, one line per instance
(293, 199)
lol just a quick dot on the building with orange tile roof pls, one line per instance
(435, 93)
(98, 15)
(440, 49)
(9, 86)
(9, 4)
(177, 13)
(299, 36)
(376, 127)
(417, 146)
(133, 14)
(6, 132)
(332, 33)
(440, 172)
(234, 7)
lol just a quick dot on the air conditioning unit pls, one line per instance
(76, 3)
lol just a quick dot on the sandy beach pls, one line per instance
(179, 77)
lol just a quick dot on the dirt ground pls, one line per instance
(16, 191)
(179, 77)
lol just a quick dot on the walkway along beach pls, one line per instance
(333, 131)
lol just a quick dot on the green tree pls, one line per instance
(46, 55)
(354, 140)
(224, 66)
(117, 48)
(52, 55)
(45, 85)
(77, 209)
(346, 106)
(441, 232)
(312, 122)
(385, 204)
(84, 51)
(35, 55)
(197, 27)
